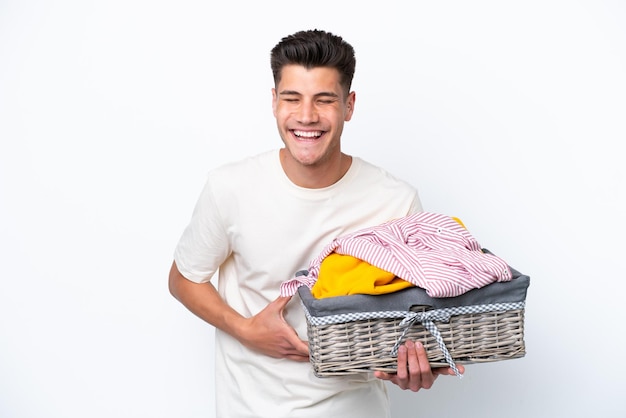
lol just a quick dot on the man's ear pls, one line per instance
(274, 100)
(350, 106)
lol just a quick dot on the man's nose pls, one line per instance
(307, 113)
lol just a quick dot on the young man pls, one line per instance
(261, 219)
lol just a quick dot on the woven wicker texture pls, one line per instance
(366, 345)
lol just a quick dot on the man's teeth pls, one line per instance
(307, 134)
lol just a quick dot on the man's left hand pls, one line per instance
(414, 371)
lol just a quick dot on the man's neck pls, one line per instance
(315, 176)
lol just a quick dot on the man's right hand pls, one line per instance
(267, 332)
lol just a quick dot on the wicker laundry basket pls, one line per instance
(361, 333)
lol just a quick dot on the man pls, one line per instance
(261, 219)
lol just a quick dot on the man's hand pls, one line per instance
(267, 332)
(414, 372)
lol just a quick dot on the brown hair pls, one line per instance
(315, 48)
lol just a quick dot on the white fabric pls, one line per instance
(258, 228)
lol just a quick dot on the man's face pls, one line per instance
(310, 109)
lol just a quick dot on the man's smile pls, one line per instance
(307, 134)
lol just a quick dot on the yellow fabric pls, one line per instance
(458, 221)
(342, 275)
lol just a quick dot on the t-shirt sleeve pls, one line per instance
(204, 243)
(416, 205)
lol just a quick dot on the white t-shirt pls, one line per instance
(258, 228)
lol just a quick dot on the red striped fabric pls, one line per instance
(430, 250)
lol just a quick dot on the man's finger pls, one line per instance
(281, 301)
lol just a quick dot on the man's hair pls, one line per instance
(315, 48)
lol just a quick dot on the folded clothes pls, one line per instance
(429, 250)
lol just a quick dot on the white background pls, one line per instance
(509, 115)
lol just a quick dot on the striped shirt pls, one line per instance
(429, 250)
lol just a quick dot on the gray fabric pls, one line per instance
(499, 292)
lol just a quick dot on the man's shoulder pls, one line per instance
(374, 172)
(262, 160)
